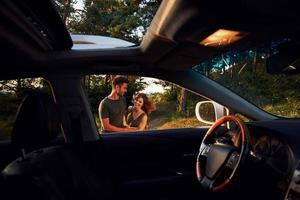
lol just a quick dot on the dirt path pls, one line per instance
(162, 113)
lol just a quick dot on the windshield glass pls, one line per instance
(245, 73)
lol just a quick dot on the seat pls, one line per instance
(37, 122)
(46, 171)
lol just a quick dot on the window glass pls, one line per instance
(247, 73)
(170, 105)
(12, 92)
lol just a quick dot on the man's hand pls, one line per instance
(129, 128)
(111, 128)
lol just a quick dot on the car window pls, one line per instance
(247, 73)
(171, 106)
(12, 92)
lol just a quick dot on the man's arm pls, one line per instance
(109, 127)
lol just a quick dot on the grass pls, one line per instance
(167, 117)
(162, 114)
(290, 110)
(181, 122)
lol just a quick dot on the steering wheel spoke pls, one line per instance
(207, 183)
(204, 149)
(233, 160)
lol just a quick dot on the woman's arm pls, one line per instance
(125, 121)
(143, 123)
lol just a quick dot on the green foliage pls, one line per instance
(8, 102)
(166, 117)
(95, 95)
(65, 8)
(192, 100)
(171, 94)
(124, 19)
(290, 108)
(12, 92)
(164, 113)
(244, 72)
(20, 87)
(266, 91)
(6, 127)
(8, 111)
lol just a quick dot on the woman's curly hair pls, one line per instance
(148, 105)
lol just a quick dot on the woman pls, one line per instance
(139, 115)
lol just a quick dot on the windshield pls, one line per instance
(245, 73)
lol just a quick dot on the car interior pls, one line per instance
(56, 151)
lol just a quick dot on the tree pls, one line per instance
(19, 87)
(122, 19)
(183, 101)
(66, 9)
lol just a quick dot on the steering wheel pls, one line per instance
(220, 157)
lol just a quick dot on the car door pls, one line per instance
(159, 163)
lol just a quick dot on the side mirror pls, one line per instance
(209, 111)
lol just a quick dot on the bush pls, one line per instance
(6, 128)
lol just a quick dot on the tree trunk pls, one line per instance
(19, 88)
(67, 11)
(88, 85)
(254, 61)
(84, 81)
(183, 102)
(107, 82)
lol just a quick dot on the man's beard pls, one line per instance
(119, 94)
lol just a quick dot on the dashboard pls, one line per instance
(293, 191)
(275, 152)
(275, 149)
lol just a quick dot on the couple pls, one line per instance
(113, 112)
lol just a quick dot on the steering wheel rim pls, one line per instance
(230, 156)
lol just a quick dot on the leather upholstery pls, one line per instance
(37, 122)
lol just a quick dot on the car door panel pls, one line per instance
(154, 160)
(8, 153)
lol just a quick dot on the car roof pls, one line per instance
(34, 33)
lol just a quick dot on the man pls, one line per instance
(112, 108)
